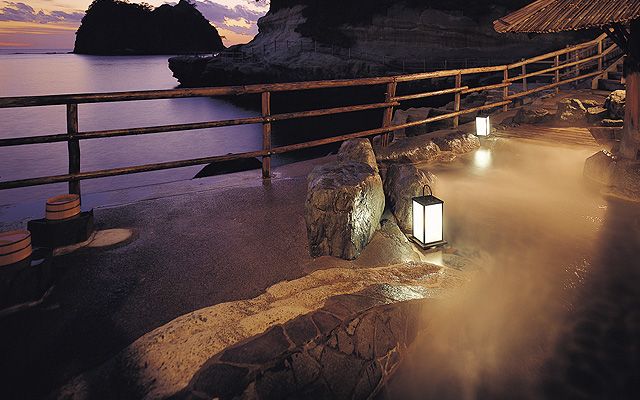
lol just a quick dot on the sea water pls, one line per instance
(57, 72)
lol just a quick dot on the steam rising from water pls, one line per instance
(533, 227)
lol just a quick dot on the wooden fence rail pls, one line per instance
(576, 60)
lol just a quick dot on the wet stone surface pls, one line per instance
(345, 350)
(272, 343)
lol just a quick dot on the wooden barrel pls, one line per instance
(63, 207)
(15, 246)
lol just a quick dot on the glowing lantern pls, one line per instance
(428, 212)
(483, 126)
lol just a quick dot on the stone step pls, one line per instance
(610, 84)
(617, 75)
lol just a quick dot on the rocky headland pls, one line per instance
(308, 40)
(114, 27)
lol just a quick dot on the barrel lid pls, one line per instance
(12, 237)
(62, 199)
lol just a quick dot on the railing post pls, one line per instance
(600, 55)
(505, 90)
(388, 112)
(524, 80)
(595, 81)
(73, 146)
(556, 78)
(266, 135)
(456, 102)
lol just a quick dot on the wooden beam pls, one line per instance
(556, 78)
(190, 126)
(456, 99)
(505, 90)
(73, 146)
(266, 135)
(30, 101)
(430, 94)
(630, 140)
(487, 87)
(389, 96)
(206, 160)
(552, 85)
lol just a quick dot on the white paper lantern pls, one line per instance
(428, 227)
(483, 126)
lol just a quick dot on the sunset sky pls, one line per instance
(51, 24)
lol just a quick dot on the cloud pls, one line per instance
(239, 18)
(236, 20)
(21, 12)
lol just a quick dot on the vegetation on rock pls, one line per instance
(113, 27)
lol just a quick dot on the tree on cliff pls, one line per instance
(112, 27)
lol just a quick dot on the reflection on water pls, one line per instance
(43, 74)
(554, 311)
(482, 158)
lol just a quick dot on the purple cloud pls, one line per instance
(224, 17)
(25, 13)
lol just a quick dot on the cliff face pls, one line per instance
(311, 39)
(112, 27)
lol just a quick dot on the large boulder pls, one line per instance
(414, 115)
(612, 123)
(591, 103)
(404, 181)
(458, 142)
(607, 137)
(625, 180)
(599, 168)
(571, 111)
(343, 208)
(596, 114)
(619, 177)
(410, 150)
(399, 118)
(531, 115)
(614, 103)
(358, 150)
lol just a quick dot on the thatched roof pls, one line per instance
(567, 15)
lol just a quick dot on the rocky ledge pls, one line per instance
(220, 349)
(308, 40)
(346, 350)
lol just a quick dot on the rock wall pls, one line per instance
(376, 33)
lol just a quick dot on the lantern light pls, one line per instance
(482, 158)
(483, 125)
(428, 212)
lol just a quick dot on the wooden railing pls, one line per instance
(577, 60)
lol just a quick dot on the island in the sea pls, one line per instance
(115, 27)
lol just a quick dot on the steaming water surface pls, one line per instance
(553, 310)
(43, 74)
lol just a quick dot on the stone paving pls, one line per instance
(251, 335)
(347, 349)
